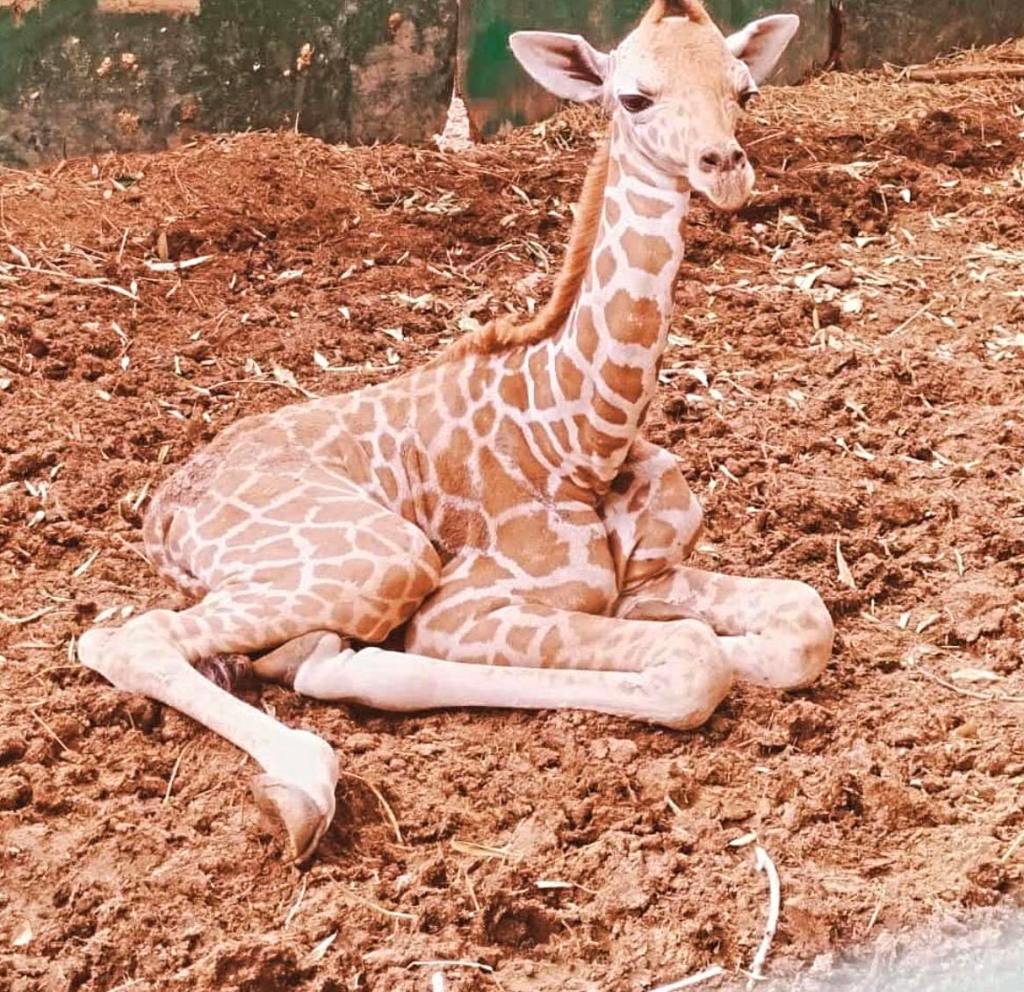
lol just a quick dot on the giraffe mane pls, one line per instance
(503, 334)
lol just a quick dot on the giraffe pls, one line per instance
(498, 505)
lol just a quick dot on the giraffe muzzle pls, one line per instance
(721, 159)
(723, 174)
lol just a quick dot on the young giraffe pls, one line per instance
(498, 501)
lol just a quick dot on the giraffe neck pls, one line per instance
(592, 382)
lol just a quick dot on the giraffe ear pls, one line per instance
(761, 43)
(564, 64)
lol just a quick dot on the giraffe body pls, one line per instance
(498, 505)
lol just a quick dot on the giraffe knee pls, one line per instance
(689, 683)
(804, 639)
(667, 526)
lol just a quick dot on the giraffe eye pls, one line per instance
(745, 97)
(635, 102)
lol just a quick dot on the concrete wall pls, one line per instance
(84, 76)
(80, 76)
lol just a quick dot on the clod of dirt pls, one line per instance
(839, 278)
(802, 724)
(978, 607)
(15, 791)
(960, 139)
(899, 511)
(520, 926)
(12, 746)
(533, 836)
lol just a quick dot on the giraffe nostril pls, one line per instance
(711, 160)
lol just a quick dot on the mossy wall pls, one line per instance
(79, 76)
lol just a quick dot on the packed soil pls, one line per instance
(845, 388)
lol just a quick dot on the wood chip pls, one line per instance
(764, 863)
(686, 983)
(187, 263)
(974, 675)
(845, 575)
(23, 937)
(318, 952)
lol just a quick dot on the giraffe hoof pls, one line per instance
(291, 814)
(282, 664)
(93, 645)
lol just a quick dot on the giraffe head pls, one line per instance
(675, 87)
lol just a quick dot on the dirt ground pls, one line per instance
(845, 385)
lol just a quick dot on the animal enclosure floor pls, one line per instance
(845, 387)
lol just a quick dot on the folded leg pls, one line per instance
(773, 632)
(668, 674)
(500, 649)
(352, 568)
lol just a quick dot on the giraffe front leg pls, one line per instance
(669, 674)
(774, 632)
(666, 692)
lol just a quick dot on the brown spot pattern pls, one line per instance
(570, 378)
(633, 321)
(605, 266)
(647, 206)
(586, 333)
(513, 391)
(530, 542)
(626, 380)
(648, 252)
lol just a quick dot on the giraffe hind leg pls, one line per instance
(360, 571)
(151, 655)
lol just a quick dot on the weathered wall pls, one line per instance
(79, 76)
(907, 31)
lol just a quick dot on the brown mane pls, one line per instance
(501, 333)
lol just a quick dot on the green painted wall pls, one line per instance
(496, 90)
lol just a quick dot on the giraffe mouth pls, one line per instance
(729, 191)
